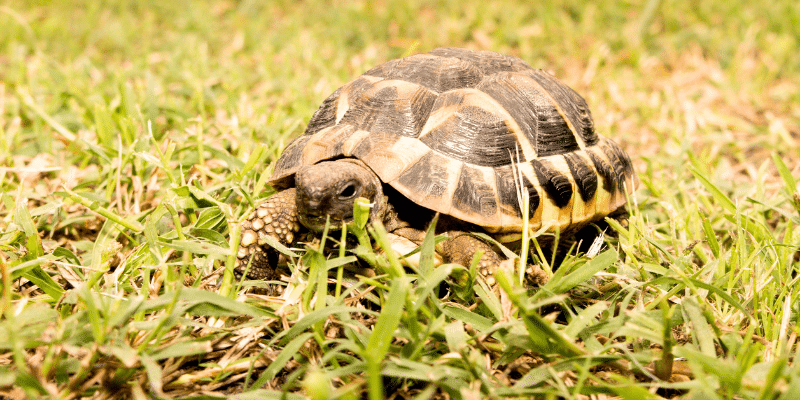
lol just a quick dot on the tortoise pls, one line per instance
(466, 134)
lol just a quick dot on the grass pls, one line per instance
(135, 135)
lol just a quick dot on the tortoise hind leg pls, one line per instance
(461, 248)
(276, 217)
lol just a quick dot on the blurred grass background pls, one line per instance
(223, 85)
(653, 72)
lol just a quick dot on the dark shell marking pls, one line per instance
(459, 131)
(585, 178)
(557, 186)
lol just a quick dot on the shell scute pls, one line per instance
(391, 106)
(431, 72)
(475, 193)
(487, 61)
(429, 176)
(572, 106)
(474, 135)
(325, 115)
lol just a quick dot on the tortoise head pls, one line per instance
(330, 188)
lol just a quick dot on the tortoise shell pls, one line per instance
(468, 133)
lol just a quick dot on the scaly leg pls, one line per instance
(461, 248)
(275, 217)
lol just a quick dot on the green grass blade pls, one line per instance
(717, 194)
(701, 330)
(43, 280)
(382, 334)
(585, 318)
(546, 339)
(203, 302)
(321, 315)
(289, 351)
(786, 175)
(711, 237)
(562, 281)
(477, 321)
(455, 336)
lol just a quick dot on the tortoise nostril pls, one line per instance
(313, 205)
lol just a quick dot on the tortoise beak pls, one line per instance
(316, 223)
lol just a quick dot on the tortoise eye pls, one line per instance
(348, 191)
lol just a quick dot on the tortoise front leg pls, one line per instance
(275, 217)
